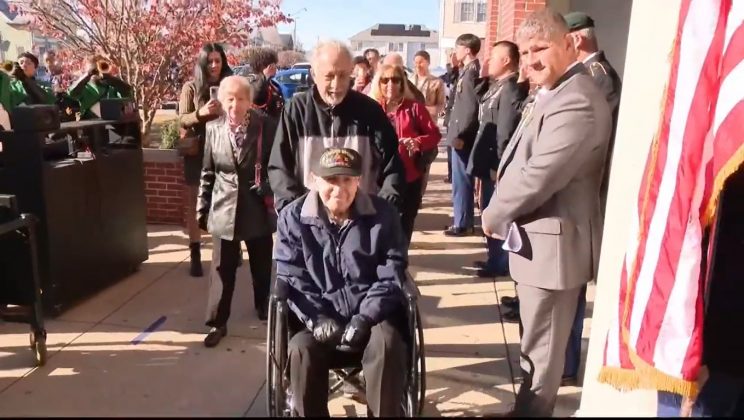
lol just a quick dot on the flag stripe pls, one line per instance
(677, 269)
(696, 37)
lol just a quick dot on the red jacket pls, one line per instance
(412, 120)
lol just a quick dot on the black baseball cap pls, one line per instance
(339, 161)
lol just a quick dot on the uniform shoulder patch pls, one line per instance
(596, 68)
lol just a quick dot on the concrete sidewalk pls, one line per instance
(103, 362)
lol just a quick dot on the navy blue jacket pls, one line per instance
(358, 268)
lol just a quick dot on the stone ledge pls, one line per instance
(161, 155)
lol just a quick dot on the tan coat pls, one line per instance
(549, 181)
(432, 88)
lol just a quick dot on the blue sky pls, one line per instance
(340, 19)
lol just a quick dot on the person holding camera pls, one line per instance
(235, 202)
(195, 108)
(97, 83)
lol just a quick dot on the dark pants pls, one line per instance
(721, 396)
(260, 257)
(463, 199)
(383, 362)
(573, 350)
(498, 259)
(412, 195)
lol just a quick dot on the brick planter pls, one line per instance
(164, 187)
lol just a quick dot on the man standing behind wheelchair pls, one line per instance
(342, 255)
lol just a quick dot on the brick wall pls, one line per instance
(164, 187)
(505, 16)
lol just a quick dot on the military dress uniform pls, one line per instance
(608, 81)
(463, 125)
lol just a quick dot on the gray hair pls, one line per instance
(241, 82)
(588, 33)
(394, 59)
(544, 24)
(339, 46)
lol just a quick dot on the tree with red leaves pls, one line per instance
(153, 44)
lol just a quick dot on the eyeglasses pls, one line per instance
(386, 80)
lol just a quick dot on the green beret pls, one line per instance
(578, 20)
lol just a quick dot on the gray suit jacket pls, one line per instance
(229, 204)
(549, 185)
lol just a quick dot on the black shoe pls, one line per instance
(510, 316)
(262, 312)
(214, 336)
(569, 381)
(479, 264)
(448, 180)
(458, 231)
(196, 266)
(509, 301)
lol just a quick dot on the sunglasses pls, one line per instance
(386, 80)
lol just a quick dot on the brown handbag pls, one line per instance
(188, 142)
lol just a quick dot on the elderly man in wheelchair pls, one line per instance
(341, 258)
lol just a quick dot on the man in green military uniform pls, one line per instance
(581, 28)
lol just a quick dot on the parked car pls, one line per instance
(302, 65)
(293, 81)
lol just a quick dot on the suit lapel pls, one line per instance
(527, 116)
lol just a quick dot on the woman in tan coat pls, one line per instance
(195, 109)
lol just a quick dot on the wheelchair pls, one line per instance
(278, 395)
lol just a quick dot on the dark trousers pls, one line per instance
(573, 350)
(260, 257)
(412, 196)
(383, 362)
(463, 197)
(498, 259)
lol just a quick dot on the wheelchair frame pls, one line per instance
(279, 402)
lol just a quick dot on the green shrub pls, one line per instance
(169, 134)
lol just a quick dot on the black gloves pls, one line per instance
(357, 332)
(326, 330)
(393, 199)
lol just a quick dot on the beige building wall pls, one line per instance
(652, 29)
(14, 40)
(450, 30)
(611, 19)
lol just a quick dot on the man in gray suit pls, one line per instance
(546, 204)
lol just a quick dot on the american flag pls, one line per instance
(656, 340)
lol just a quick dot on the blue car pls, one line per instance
(293, 81)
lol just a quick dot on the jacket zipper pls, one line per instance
(337, 243)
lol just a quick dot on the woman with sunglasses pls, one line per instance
(417, 133)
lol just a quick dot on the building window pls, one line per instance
(358, 45)
(395, 47)
(480, 15)
(471, 10)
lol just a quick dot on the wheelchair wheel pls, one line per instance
(413, 403)
(276, 361)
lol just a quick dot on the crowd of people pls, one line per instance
(339, 171)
